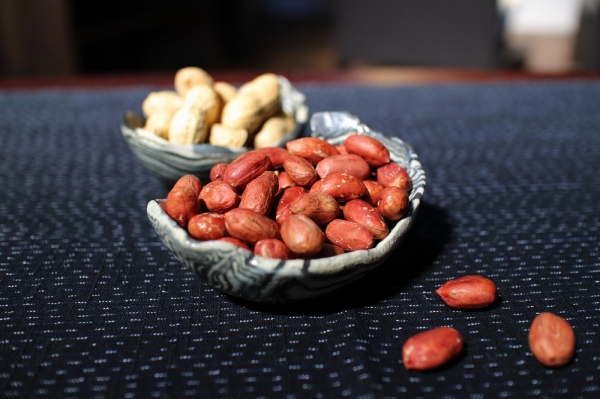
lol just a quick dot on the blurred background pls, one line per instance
(75, 37)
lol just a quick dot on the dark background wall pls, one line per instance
(50, 37)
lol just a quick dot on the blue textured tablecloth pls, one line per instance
(92, 305)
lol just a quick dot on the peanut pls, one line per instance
(235, 241)
(468, 292)
(190, 181)
(432, 348)
(311, 148)
(207, 226)
(300, 171)
(302, 235)
(225, 90)
(374, 189)
(551, 340)
(229, 137)
(369, 148)
(188, 77)
(218, 196)
(276, 154)
(285, 181)
(246, 168)
(322, 208)
(272, 248)
(341, 186)
(393, 174)
(216, 172)
(344, 163)
(182, 203)
(159, 123)
(348, 235)
(283, 206)
(274, 130)
(165, 100)
(393, 203)
(360, 212)
(253, 103)
(249, 226)
(187, 127)
(259, 194)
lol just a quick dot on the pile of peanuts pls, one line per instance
(311, 200)
(201, 110)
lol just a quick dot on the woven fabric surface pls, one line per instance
(92, 305)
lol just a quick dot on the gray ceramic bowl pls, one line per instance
(242, 274)
(170, 161)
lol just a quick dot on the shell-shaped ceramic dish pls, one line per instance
(240, 273)
(170, 161)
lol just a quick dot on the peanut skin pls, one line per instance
(216, 172)
(276, 154)
(361, 212)
(341, 186)
(312, 149)
(327, 251)
(551, 340)
(190, 181)
(393, 203)
(246, 168)
(351, 164)
(218, 196)
(348, 235)
(320, 207)
(249, 226)
(259, 194)
(300, 171)
(369, 148)
(393, 174)
(468, 292)
(285, 181)
(283, 206)
(272, 248)
(373, 191)
(182, 203)
(432, 348)
(302, 235)
(207, 226)
(235, 241)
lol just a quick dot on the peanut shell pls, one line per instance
(224, 136)
(189, 77)
(273, 130)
